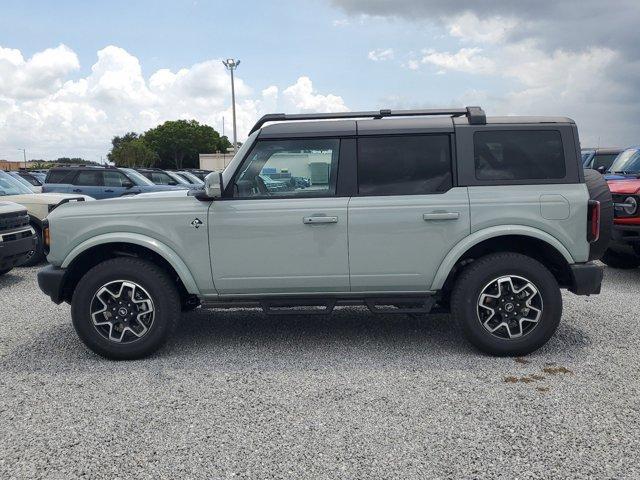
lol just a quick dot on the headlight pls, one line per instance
(630, 205)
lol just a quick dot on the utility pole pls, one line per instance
(231, 65)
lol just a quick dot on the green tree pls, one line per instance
(178, 142)
(127, 137)
(132, 152)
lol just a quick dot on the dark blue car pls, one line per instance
(101, 182)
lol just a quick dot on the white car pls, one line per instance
(38, 206)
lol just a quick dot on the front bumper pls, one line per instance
(625, 234)
(14, 252)
(586, 278)
(51, 282)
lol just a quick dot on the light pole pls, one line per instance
(24, 156)
(231, 65)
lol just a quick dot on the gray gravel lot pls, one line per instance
(242, 395)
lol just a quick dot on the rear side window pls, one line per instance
(519, 155)
(404, 165)
(89, 178)
(60, 176)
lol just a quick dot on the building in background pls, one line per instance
(215, 161)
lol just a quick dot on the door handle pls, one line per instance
(318, 219)
(440, 216)
(77, 190)
(108, 191)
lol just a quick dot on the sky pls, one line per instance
(73, 73)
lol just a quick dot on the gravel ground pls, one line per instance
(241, 395)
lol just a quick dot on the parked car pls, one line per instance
(624, 249)
(25, 182)
(38, 206)
(101, 182)
(487, 217)
(179, 179)
(599, 159)
(17, 237)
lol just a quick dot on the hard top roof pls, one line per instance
(373, 122)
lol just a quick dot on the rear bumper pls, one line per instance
(51, 282)
(14, 252)
(586, 278)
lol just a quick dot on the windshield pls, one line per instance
(191, 178)
(11, 186)
(136, 177)
(627, 162)
(23, 181)
(177, 178)
(237, 158)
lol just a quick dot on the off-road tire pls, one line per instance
(161, 289)
(599, 190)
(38, 255)
(621, 260)
(466, 294)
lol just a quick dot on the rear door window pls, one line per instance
(88, 178)
(404, 165)
(60, 176)
(519, 155)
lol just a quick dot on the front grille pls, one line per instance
(10, 237)
(11, 221)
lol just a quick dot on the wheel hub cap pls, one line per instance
(122, 311)
(509, 307)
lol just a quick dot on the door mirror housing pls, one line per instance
(127, 184)
(602, 169)
(213, 186)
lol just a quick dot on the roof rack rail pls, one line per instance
(475, 115)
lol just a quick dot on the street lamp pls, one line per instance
(231, 65)
(24, 155)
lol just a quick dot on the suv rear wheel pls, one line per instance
(507, 304)
(125, 308)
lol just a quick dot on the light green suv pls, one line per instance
(399, 211)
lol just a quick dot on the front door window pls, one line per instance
(289, 168)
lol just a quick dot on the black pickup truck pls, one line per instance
(17, 238)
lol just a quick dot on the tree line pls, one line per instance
(174, 144)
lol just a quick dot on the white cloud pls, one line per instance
(302, 97)
(51, 115)
(381, 54)
(466, 60)
(471, 28)
(343, 22)
(38, 76)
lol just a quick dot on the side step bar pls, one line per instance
(324, 306)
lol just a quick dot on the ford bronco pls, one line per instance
(17, 237)
(403, 212)
(38, 206)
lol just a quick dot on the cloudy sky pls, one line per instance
(75, 73)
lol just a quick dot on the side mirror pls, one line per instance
(213, 185)
(602, 169)
(127, 184)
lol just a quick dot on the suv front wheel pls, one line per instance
(507, 304)
(125, 308)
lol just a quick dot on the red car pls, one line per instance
(624, 249)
